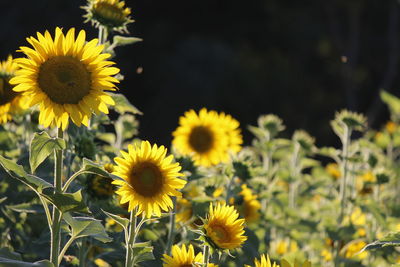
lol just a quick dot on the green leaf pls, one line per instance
(119, 40)
(390, 240)
(67, 202)
(8, 254)
(124, 222)
(85, 226)
(92, 167)
(142, 252)
(17, 171)
(392, 101)
(122, 105)
(26, 207)
(42, 145)
(4, 262)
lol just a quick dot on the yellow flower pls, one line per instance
(333, 170)
(391, 127)
(218, 191)
(150, 179)
(250, 206)
(182, 257)
(306, 263)
(101, 263)
(263, 262)
(357, 217)
(284, 247)
(224, 228)
(202, 137)
(100, 186)
(232, 130)
(184, 211)
(66, 77)
(327, 255)
(11, 102)
(353, 249)
(111, 14)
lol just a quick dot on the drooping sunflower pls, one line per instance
(111, 14)
(249, 206)
(150, 179)
(66, 77)
(263, 262)
(202, 137)
(11, 102)
(232, 130)
(223, 227)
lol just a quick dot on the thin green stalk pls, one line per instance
(66, 246)
(131, 238)
(343, 184)
(206, 255)
(46, 210)
(81, 252)
(171, 233)
(55, 229)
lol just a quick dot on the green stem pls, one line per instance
(131, 238)
(171, 233)
(55, 229)
(70, 179)
(46, 210)
(206, 256)
(343, 184)
(66, 246)
(81, 252)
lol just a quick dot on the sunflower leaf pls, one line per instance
(124, 222)
(142, 252)
(5, 262)
(17, 171)
(67, 202)
(92, 167)
(390, 240)
(86, 226)
(42, 145)
(122, 105)
(119, 40)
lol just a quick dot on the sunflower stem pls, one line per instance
(131, 239)
(56, 220)
(206, 256)
(171, 233)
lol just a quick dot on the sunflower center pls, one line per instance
(146, 179)
(6, 92)
(64, 79)
(221, 233)
(201, 139)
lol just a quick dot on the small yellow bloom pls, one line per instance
(182, 257)
(357, 217)
(263, 262)
(327, 255)
(224, 228)
(333, 170)
(101, 263)
(284, 247)
(149, 179)
(391, 127)
(353, 249)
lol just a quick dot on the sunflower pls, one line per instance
(248, 206)
(66, 77)
(111, 14)
(223, 227)
(10, 102)
(150, 179)
(202, 137)
(263, 262)
(182, 257)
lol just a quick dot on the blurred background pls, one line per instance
(300, 60)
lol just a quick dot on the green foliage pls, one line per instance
(42, 145)
(86, 226)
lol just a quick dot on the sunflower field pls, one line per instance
(79, 188)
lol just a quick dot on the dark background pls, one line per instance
(301, 60)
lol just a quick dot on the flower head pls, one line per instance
(149, 179)
(111, 14)
(66, 77)
(10, 102)
(263, 262)
(208, 137)
(223, 228)
(182, 257)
